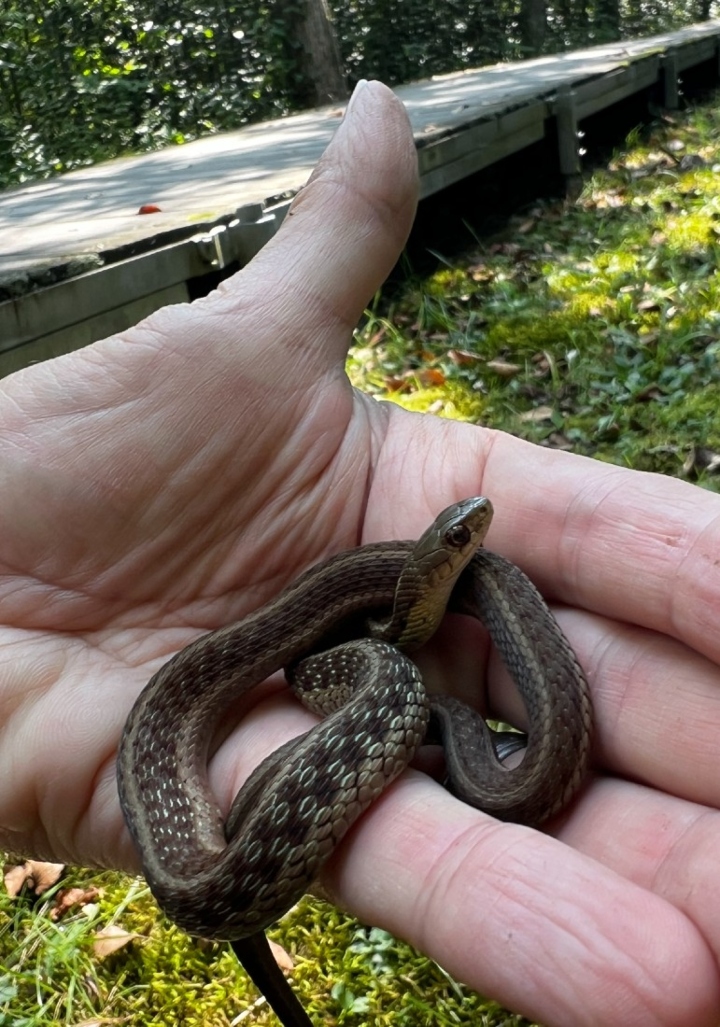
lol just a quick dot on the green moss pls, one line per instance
(343, 973)
(607, 308)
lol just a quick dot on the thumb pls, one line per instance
(342, 234)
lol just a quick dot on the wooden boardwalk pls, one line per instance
(78, 262)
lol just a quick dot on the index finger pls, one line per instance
(638, 547)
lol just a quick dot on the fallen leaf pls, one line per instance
(503, 368)
(97, 1022)
(481, 273)
(282, 958)
(69, 898)
(556, 440)
(34, 875)
(430, 376)
(537, 414)
(462, 357)
(395, 384)
(701, 459)
(111, 939)
(691, 161)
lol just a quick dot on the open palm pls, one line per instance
(166, 481)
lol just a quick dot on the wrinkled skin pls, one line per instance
(166, 481)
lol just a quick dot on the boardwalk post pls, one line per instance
(671, 81)
(567, 134)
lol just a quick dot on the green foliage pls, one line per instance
(85, 80)
(591, 326)
(50, 972)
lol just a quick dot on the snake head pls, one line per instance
(435, 563)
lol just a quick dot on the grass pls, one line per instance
(51, 973)
(591, 326)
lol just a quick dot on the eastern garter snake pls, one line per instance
(232, 880)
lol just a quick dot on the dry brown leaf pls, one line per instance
(481, 273)
(35, 875)
(99, 1022)
(282, 958)
(462, 357)
(503, 368)
(69, 898)
(701, 459)
(537, 414)
(431, 376)
(556, 440)
(393, 383)
(111, 939)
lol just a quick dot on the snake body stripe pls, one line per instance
(554, 691)
(230, 881)
(162, 778)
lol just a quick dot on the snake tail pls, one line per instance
(255, 956)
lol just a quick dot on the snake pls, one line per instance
(342, 633)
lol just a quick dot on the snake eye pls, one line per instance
(458, 536)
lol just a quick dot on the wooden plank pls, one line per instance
(462, 123)
(567, 132)
(692, 54)
(670, 80)
(83, 298)
(82, 333)
(591, 97)
(80, 299)
(453, 158)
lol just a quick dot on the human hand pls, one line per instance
(170, 479)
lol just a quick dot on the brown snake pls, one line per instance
(339, 629)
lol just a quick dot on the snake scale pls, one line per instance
(341, 632)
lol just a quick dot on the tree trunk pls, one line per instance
(607, 21)
(319, 55)
(532, 27)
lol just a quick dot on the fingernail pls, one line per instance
(359, 88)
